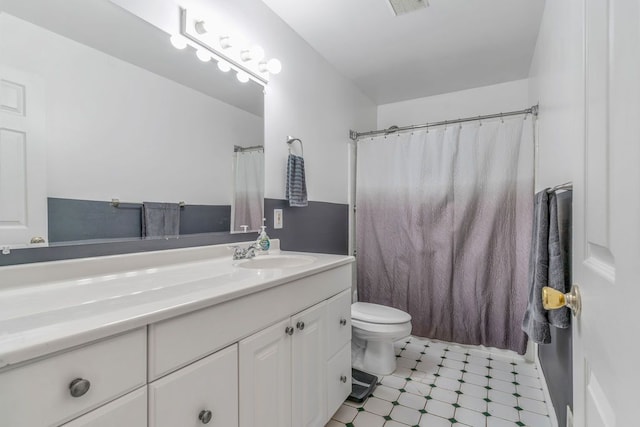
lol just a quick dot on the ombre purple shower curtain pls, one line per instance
(443, 228)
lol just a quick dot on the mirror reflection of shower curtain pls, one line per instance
(444, 228)
(247, 208)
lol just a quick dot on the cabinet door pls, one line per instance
(338, 322)
(129, 410)
(309, 367)
(338, 379)
(265, 378)
(205, 392)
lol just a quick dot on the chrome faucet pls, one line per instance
(242, 253)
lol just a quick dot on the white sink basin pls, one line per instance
(277, 261)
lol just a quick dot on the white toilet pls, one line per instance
(375, 328)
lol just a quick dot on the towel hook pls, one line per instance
(291, 140)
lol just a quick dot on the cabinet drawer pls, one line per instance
(338, 322)
(338, 379)
(207, 388)
(39, 393)
(129, 410)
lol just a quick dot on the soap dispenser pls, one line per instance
(264, 243)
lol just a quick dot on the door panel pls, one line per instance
(23, 196)
(265, 378)
(606, 246)
(309, 362)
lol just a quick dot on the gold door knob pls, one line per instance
(553, 299)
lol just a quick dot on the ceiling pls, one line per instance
(449, 46)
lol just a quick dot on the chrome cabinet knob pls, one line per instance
(288, 330)
(36, 240)
(79, 387)
(343, 378)
(343, 321)
(300, 325)
(205, 416)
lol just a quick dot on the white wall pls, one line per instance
(492, 99)
(557, 84)
(309, 99)
(114, 130)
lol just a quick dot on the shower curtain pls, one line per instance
(248, 190)
(443, 226)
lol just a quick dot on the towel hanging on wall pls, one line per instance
(296, 189)
(160, 219)
(296, 182)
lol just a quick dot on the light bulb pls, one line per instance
(225, 42)
(203, 55)
(273, 66)
(224, 66)
(245, 55)
(178, 41)
(257, 53)
(242, 77)
(201, 27)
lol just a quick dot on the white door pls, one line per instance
(265, 377)
(309, 362)
(23, 196)
(606, 249)
(205, 392)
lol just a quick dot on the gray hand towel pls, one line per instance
(535, 323)
(160, 219)
(559, 247)
(296, 191)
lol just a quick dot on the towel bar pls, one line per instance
(291, 140)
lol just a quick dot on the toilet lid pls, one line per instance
(376, 313)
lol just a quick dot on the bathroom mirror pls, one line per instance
(124, 118)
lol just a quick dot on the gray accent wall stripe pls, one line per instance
(319, 227)
(71, 220)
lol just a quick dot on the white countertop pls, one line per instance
(47, 307)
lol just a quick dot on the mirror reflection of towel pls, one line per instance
(296, 183)
(160, 219)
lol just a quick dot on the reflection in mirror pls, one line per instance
(116, 115)
(247, 209)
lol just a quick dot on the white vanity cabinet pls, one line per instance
(338, 350)
(203, 393)
(298, 371)
(53, 390)
(275, 356)
(129, 410)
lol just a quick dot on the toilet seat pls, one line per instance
(375, 313)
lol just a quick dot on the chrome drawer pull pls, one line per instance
(205, 416)
(343, 378)
(343, 321)
(300, 325)
(79, 387)
(288, 330)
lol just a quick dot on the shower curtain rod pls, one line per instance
(354, 135)
(237, 148)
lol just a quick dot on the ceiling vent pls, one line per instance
(401, 7)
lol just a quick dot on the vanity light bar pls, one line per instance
(248, 63)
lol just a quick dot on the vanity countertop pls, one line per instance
(52, 306)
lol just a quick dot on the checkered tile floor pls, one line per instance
(438, 384)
